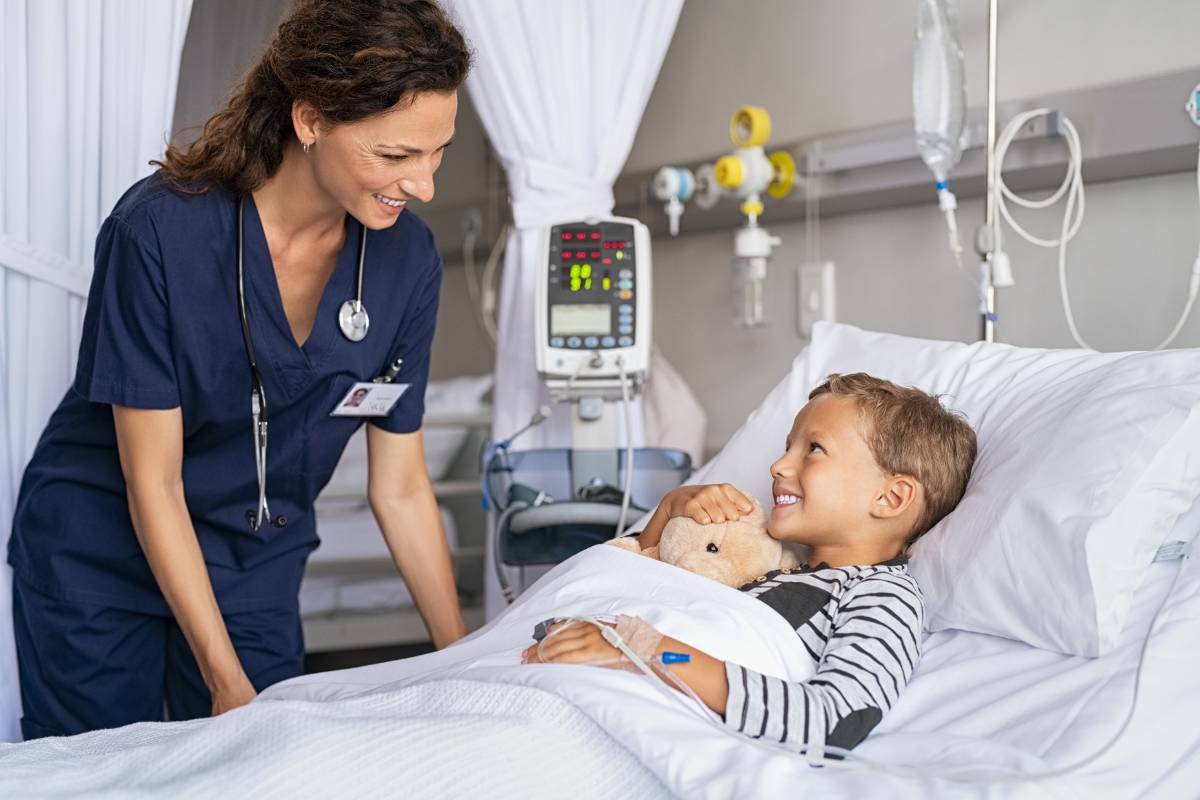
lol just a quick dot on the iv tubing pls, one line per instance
(628, 448)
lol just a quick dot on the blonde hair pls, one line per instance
(911, 433)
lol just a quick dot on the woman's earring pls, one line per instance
(306, 146)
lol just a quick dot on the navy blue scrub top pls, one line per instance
(162, 331)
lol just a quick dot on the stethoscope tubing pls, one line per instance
(258, 391)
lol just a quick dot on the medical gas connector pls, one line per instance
(747, 173)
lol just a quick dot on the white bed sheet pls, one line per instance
(975, 700)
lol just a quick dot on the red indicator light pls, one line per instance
(606, 261)
(581, 236)
(596, 235)
(566, 256)
(596, 254)
(566, 236)
(581, 254)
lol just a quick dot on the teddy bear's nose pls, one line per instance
(712, 548)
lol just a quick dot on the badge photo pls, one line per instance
(367, 399)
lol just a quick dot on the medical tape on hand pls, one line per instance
(641, 638)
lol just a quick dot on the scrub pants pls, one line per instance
(84, 667)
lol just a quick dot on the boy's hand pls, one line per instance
(707, 504)
(578, 644)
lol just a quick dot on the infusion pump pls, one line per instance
(593, 309)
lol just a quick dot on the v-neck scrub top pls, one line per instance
(162, 331)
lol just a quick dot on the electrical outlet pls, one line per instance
(817, 296)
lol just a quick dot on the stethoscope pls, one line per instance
(352, 319)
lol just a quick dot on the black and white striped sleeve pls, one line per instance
(869, 655)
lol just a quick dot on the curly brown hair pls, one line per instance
(350, 59)
(910, 433)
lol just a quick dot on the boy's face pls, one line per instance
(827, 480)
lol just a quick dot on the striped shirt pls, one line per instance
(861, 625)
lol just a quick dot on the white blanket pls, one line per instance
(405, 743)
(975, 700)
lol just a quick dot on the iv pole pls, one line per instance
(985, 236)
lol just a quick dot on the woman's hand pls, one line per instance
(707, 504)
(237, 693)
(577, 643)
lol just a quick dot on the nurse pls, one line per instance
(145, 573)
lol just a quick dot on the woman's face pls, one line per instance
(374, 166)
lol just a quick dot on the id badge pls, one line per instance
(367, 399)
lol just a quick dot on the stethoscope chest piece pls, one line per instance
(353, 320)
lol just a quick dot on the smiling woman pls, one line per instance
(348, 62)
(149, 565)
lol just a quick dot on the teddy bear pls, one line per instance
(733, 553)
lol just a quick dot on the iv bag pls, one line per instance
(939, 89)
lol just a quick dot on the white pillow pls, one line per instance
(1085, 462)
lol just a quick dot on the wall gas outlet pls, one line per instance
(818, 296)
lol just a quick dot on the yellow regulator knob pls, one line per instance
(750, 126)
(754, 207)
(729, 172)
(785, 174)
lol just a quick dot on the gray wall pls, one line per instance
(821, 67)
(224, 38)
(825, 66)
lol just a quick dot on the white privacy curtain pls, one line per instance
(560, 87)
(87, 91)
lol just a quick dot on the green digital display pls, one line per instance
(582, 278)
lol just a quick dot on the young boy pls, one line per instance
(868, 468)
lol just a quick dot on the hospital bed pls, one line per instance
(984, 716)
(351, 596)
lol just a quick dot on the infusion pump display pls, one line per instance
(594, 292)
